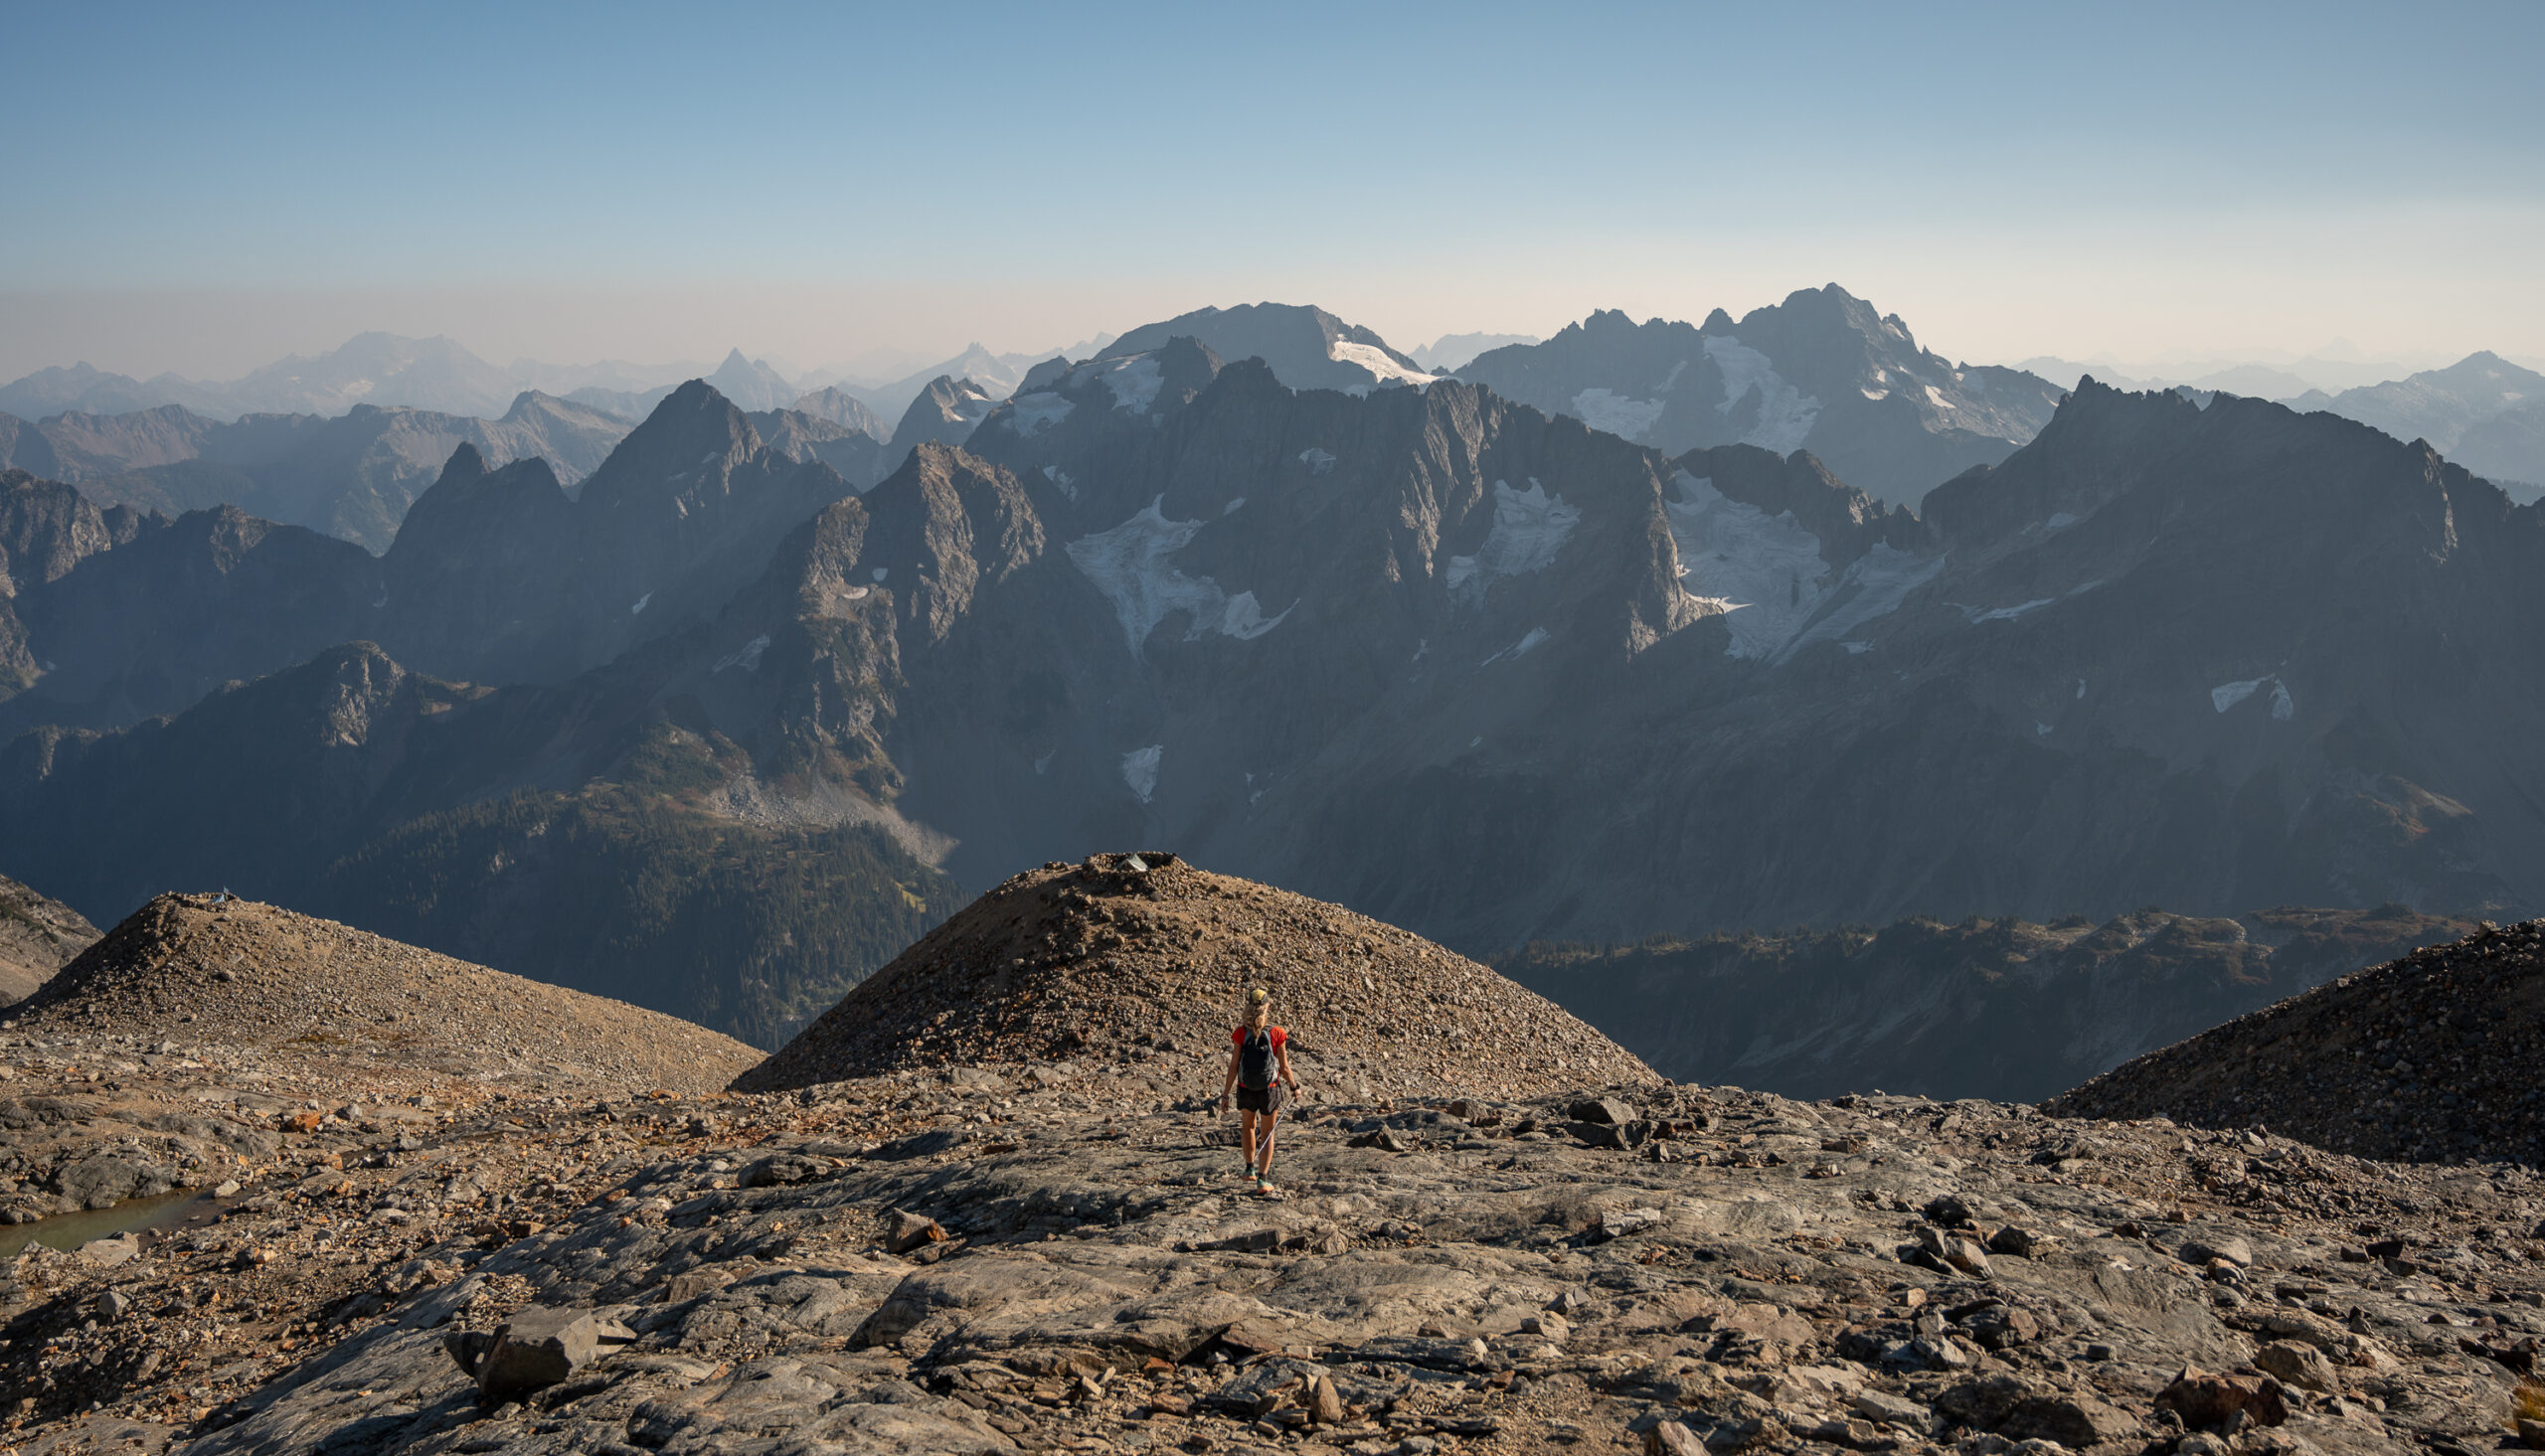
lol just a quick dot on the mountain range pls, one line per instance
(351, 475)
(1420, 649)
(434, 374)
(1823, 371)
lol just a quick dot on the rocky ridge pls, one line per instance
(1147, 958)
(2431, 1057)
(38, 936)
(1823, 371)
(237, 973)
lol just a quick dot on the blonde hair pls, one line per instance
(1258, 1009)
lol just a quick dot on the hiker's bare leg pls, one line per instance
(1246, 1125)
(1271, 1124)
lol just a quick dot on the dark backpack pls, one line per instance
(1255, 1061)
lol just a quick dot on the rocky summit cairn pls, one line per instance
(2430, 1058)
(216, 969)
(1144, 958)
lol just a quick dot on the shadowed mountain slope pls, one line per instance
(2008, 1010)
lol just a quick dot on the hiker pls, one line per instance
(1258, 1068)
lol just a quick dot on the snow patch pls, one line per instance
(1384, 370)
(747, 659)
(1037, 411)
(1318, 461)
(1129, 564)
(1520, 648)
(1618, 416)
(1936, 397)
(880, 572)
(1529, 527)
(1243, 619)
(2228, 694)
(639, 608)
(1062, 482)
(1767, 574)
(1230, 508)
(1874, 394)
(2005, 613)
(1134, 381)
(1786, 414)
(2059, 522)
(1139, 770)
(1857, 649)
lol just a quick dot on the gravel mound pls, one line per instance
(223, 970)
(2430, 1057)
(38, 936)
(1113, 962)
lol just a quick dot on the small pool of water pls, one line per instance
(68, 1231)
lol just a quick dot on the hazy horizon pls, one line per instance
(581, 184)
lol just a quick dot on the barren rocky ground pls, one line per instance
(1878, 1275)
(1054, 1253)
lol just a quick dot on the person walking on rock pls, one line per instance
(1258, 1069)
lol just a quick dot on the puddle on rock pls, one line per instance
(67, 1231)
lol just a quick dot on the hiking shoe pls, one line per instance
(1263, 1189)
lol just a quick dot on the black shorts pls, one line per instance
(1259, 1099)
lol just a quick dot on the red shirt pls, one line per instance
(1238, 1036)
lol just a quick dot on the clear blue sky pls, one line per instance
(204, 187)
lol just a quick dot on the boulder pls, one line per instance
(1948, 1211)
(540, 1347)
(1892, 1409)
(2203, 1400)
(2209, 1246)
(2073, 1421)
(1603, 1109)
(905, 1232)
(2299, 1365)
(1670, 1438)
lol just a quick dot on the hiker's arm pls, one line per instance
(1283, 1053)
(1229, 1081)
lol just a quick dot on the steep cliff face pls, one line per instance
(684, 512)
(123, 616)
